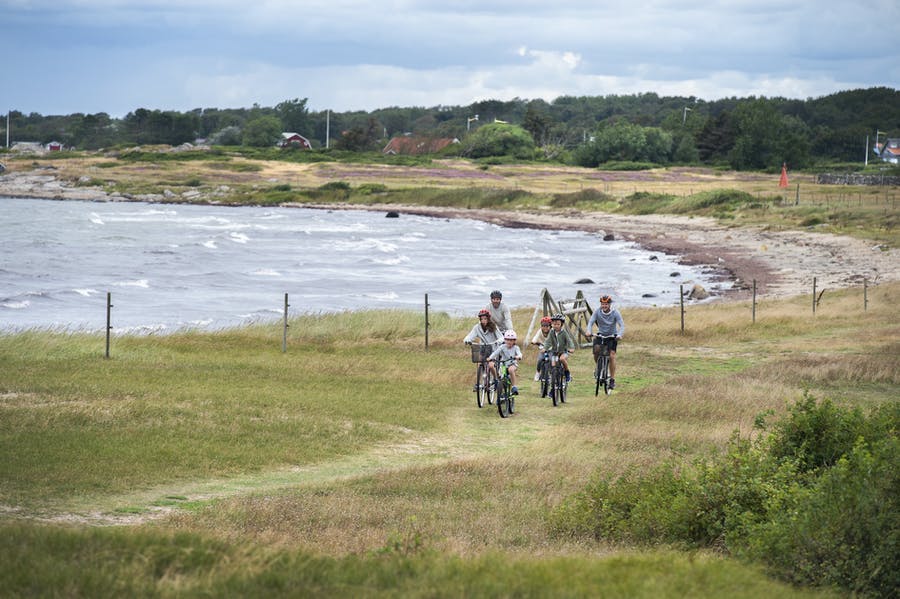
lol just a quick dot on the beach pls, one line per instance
(783, 262)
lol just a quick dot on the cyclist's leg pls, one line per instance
(513, 378)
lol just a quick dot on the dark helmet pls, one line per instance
(496, 294)
(559, 317)
(484, 313)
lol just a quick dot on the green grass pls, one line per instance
(356, 463)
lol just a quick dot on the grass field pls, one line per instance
(357, 464)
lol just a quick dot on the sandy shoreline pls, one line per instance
(783, 262)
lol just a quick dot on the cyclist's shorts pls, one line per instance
(611, 342)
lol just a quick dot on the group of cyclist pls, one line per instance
(494, 328)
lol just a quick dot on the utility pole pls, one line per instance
(327, 127)
(684, 115)
(7, 129)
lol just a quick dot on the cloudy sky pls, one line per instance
(67, 56)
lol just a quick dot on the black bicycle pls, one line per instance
(544, 376)
(601, 371)
(506, 401)
(557, 380)
(484, 379)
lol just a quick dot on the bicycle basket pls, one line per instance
(603, 351)
(481, 352)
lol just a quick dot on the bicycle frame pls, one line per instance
(557, 380)
(601, 371)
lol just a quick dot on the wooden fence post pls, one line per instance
(427, 324)
(108, 325)
(681, 299)
(754, 301)
(284, 336)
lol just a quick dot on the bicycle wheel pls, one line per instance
(503, 400)
(480, 391)
(606, 388)
(563, 386)
(556, 384)
(491, 384)
(545, 379)
(598, 376)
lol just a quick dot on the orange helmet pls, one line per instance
(546, 320)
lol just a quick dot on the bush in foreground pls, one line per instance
(814, 499)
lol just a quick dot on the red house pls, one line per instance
(294, 139)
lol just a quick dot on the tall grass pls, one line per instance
(357, 446)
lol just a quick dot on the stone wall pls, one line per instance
(856, 179)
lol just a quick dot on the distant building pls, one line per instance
(54, 146)
(289, 139)
(889, 151)
(34, 147)
(414, 146)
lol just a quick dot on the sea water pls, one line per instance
(172, 266)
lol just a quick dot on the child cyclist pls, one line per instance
(559, 342)
(538, 340)
(610, 328)
(510, 354)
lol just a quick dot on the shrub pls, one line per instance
(815, 499)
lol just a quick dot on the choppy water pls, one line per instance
(174, 266)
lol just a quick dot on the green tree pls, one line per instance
(294, 115)
(262, 131)
(499, 139)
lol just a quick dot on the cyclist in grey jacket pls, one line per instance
(500, 313)
(609, 324)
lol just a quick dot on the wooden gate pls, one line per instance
(577, 312)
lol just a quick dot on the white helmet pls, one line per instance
(510, 334)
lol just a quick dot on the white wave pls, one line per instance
(211, 244)
(95, 218)
(367, 243)
(16, 305)
(238, 237)
(390, 261)
(266, 272)
(484, 279)
(86, 292)
(143, 283)
(387, 296)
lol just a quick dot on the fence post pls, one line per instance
(108, 325)
(284, 337)
(814, 295)
(427, 324)
(754, 301)
(797, 201)
(681, 299)
(865, 294)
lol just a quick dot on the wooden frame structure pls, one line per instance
(577, 312)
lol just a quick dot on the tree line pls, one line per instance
(744, 133)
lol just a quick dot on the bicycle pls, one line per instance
(558, 383)
(506, 401)
(601, 371)
(545, 375)
(484, 378)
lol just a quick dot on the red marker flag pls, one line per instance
(784, 181)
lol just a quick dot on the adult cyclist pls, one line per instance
(610, 328)
(499, 311)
